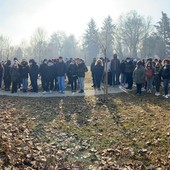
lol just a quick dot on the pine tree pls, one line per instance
(90, 44)
(107, 36)
(163, 31)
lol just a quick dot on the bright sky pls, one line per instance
(20, 18)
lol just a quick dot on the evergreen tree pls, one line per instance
(90, 44)
(107, 36)
(163, 31)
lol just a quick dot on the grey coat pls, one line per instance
(139, 75)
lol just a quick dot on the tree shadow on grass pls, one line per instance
(126, 132)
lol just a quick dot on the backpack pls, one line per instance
(149, 72)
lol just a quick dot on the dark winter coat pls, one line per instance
(61, 69)
(43, 70)
(129, 67)
(1, 71)
(98, 70)
(24, 71)
(7, 69)
(139, 75)
(166, 72)
(73, 70)
(115, 65)
(158, 73)
(50, 72)
(122, 67)
(92, 67)
(34, 70)
(81, 69)
(14, 72)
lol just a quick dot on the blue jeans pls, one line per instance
(34, 85)
(166, 83)
(1, 81)
(81, 83)
(25, 84)
(61, 83)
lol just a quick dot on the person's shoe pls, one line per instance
(166, 96)
(143, 89)
(44, 92)
(81, 91)
(50, 91)
(24, 91)
(149, 92)
(157, 94)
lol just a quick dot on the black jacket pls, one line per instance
(129, 67)
(61, 69)
(81, 69)
(73, 69)
(1, 71)
(7, 69)
(43, 70)
(24, 71)
(50, 72)
(34, 70)
(166, 72)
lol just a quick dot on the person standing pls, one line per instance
(24, 72)
(139, 77)
(158, 75)
(115, 69)
(61, 71)
(73, 75)
(122, 73)
(98, 73)
(92, 71)
(43, 74)
(50, 76)
(166, 76)
(14, 72)
(34, 70)
(150, 70)
(81, 70)
(7, 75)
(129, 68)
(1, 74)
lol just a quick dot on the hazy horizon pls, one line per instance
(20, 18)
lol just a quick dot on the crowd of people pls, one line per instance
(51, 72)
(146, 75)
